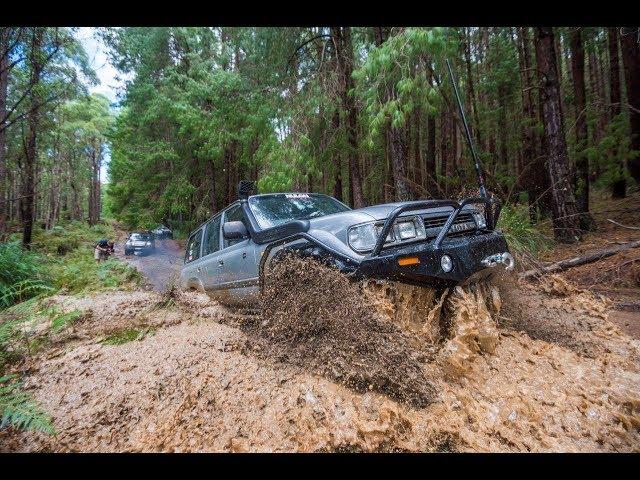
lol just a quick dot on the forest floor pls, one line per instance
(550, 365)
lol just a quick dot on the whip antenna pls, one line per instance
(483, 190)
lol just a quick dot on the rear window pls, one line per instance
(273, 210)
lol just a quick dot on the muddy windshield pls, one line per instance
(272, 210)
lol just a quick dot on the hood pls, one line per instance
(382, 211)
(337, 224)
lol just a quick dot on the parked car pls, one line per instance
(139, 242)
(432, 242)
(162, 232)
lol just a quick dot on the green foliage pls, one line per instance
(21, 275)
(393, 80)
(69, 250)
(521, 235)
(65, 238)
(126, 335)
(78, 272)
(63, 320)
(610, 155)
(18, 410)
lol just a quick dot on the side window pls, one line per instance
(193, 247)
(212, 236)
(232, 215)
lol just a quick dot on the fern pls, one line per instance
(21, 275)
(17, 408)
(62, 320)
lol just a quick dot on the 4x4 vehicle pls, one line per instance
(139, 242)
(162, 232)
(430, 242)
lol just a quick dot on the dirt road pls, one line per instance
(521, 367)
(160, 268)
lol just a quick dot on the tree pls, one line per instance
(36, 58)
(582, 135)
(565, 218)
(344, 54)
(619, 185)
(631, 59)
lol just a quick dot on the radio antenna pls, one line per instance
(483, 190)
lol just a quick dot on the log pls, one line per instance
(577, 261)
(623, 226)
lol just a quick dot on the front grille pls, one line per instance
(434, 224)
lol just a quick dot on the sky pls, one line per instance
(109, 85)
(97, 53)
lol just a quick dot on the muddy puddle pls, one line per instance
(331, 365)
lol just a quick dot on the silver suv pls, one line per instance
(431, 242)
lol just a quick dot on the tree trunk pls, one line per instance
(532, 164)
(397, 151)
(213, 202)
(337, 158)
(396, 141)
(619, 186)
(33, 119)
(342, 42)
(4, 82)
(631, 58)
(565, 220)
(417, 148)
(582, 161)
(430, 173)
(471, 87)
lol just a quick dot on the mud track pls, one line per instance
(161, 268)
(510, 377)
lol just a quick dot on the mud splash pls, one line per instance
(316, 318)
(472, 330)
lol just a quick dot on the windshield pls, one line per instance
(139, 236)
(272, 210)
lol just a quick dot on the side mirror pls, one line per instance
(234, 230)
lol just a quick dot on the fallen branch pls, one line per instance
(621, 225)
(577, 261)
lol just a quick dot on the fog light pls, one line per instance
(446, 263)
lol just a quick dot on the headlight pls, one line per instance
(363, 237)
(407, 230)
(481, 221)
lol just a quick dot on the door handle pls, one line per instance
(221, 262)
(199, 269)
(244, 254)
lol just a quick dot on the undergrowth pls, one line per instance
(22, 275)
(18, 409)
(522, 236)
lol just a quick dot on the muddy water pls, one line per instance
(499, 367)
(161, 268)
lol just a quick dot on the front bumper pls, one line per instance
(139, 249)
(467, 255)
